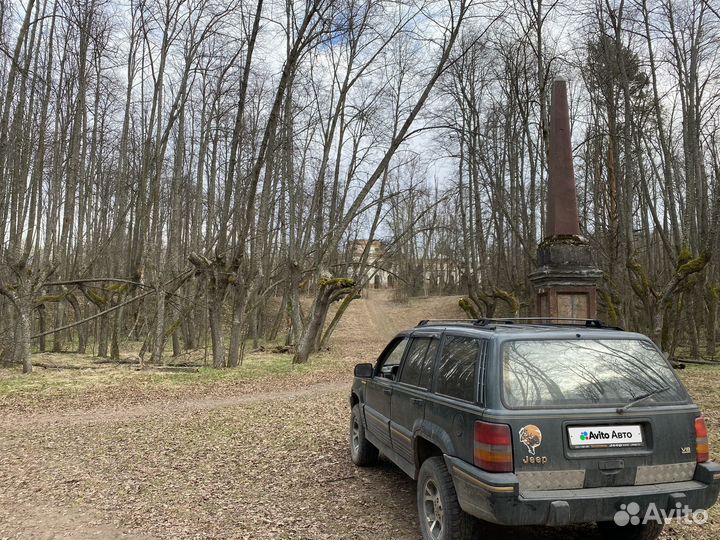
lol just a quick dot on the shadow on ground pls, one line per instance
(390, 479)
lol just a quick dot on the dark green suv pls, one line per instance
(522, 424)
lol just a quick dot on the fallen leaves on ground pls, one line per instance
(261, 458)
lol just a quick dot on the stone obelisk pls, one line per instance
(566, 277)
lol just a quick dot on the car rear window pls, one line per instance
(577, 373)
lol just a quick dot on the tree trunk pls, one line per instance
(279, 318)
(159, 345)
(23, 333)
(694, 332)
(43, 326)
(306, 343)
(237, 331)
(216, 334)
(710, 331)
(59, 321)
(329, 289)
(81, 329)
(114, 340)
(102, 339)
(177, 349)
(189, 331)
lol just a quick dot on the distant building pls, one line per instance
(439, 273)
(376, 272)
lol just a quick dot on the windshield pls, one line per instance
(572, 373)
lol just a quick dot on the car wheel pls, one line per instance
(362, 451)
(439, 512)
(646, 531)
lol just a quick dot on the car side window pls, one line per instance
(458, 366)
(390, 362)
(429, 364)
(413, 366)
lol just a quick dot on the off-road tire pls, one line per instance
(649, 531)
(362, 451)
(455, 524)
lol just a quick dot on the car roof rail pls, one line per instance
(473, 322)
(550, 321)
(426, 322)
(544, 321)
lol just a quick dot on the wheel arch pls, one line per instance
(430, 441)
(425, 449)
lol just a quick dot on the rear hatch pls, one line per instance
(588, 413)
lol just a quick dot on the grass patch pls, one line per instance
(90, 377)
(254, 367)
(703, 383)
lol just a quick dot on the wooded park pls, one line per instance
(178, 172)
(204, 201)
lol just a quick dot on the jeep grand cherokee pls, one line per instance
(522, 424)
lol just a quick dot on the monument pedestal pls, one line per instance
(566, 279)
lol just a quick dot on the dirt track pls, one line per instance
(20, 421)
(268, 463)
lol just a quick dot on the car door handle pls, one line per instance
(388, 391)
(417, 401)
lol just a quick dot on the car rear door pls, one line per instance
(550, 454)
(410, 393)
(453, 407)
(584, 441)
(379, 389)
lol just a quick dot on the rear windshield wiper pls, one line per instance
(643, 397)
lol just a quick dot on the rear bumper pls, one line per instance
(496, 497)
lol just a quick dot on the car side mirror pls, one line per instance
(364, 370)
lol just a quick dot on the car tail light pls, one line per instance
(702, 448)
(493, 447)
